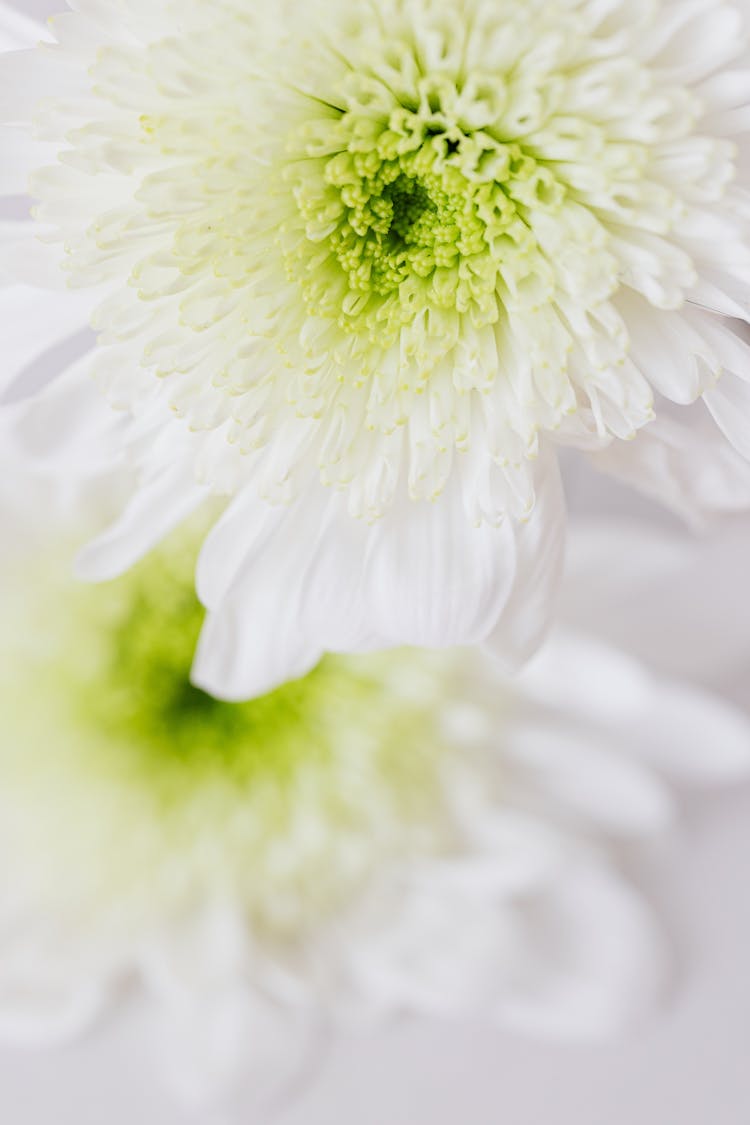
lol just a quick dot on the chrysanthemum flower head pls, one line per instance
(398, 832)
(381, 258)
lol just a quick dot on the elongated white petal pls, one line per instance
(668, 572)
(23, 154)
(685, 462)
(236, 662)
(610, 968)
(693, 735)
(254, 642)
(527, 612)
(37, 334)
(28, 260)
(658, 721)
(444, 952)
(66, 427)
(600, 788)
(17, 29)
(561, 675)
(729, 403)
(425, 585)
(245, 527)
(224, 1044)
(153, 511)
(671, 351)
(46, 996)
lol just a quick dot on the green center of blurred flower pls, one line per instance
(109, 670)
(130, 688)
(144, 695)
(134, 790)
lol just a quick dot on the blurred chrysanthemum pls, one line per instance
(380, 259)
(394, 833)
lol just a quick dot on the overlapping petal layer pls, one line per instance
(404, 831)
(380, 260)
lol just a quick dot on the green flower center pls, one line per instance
(141, 788)
(175, 729)
(114, 671)
(414, 211)
(175, 735)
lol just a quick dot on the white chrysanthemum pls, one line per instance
(376, 258)
(404, 832)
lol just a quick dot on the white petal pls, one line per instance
(38, 332)
(18, 30)
(155, 509)
(729, 403)
(615, 565)
(47, 995)
(253, 641)
(21, 154)
(44, 1011)
(252, 644)
(334, 599)
(539, 555)
(517, 852)
(284, 585)
(246, 527)
(577, 675)
(224, 1043)
(681, 728)
(669, 349)
(683, 461)
(565, 768)
(322, 581)
(68, 425)
(727, 340)
(715, 293)
(430, 579)
(26, 259)
(26, 76)
(433, 950)
(693, 40)
(695, 736)
(594, 960)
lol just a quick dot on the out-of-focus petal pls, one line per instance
(594, 961)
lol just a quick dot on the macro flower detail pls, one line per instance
(414, 241)
(401, 832)
(381, 260)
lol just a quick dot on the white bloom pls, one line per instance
(380, 260)
(397, 833)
